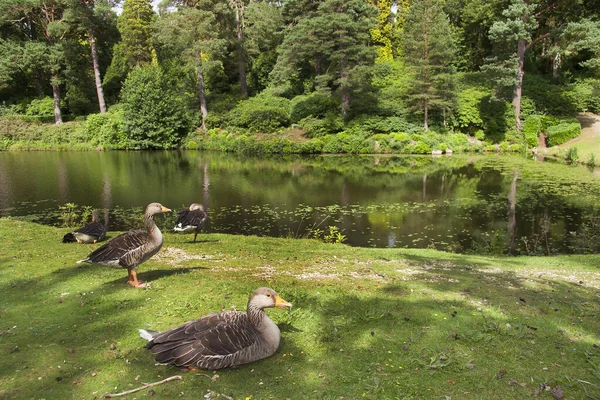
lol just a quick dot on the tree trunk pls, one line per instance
(426, 119)
(240, 47)
(56, 95)
(556, 63)
(201, 92)
(516, 102)
(39, 91)
(96, 65)
(444, 113)
(345, 94)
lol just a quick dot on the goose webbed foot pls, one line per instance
(133, 280)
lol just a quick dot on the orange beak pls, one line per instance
(279, 302)
(165, 209)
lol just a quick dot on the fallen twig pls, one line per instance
(585, 390)
(146, 385)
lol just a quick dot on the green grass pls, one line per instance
(366, 323)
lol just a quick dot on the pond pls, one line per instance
(478, 203)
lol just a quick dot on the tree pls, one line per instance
(192, 33)
(87, 16)
(135, 48)
(334, 38)
(429, 50)
(45, 18)
(525, 24)
(153, 112)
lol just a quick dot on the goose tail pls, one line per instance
(147, 334)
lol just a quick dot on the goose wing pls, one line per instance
(214, 336)
(126, 249)
(94, 229)
(195, 218)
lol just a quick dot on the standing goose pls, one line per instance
(90, 233)
(132, 248)
(223, 339)
(191, 219)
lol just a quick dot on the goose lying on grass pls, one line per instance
(132, 248)
(223, 339)
(90, 233)
(191, 219)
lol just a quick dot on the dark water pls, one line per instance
(457, 203)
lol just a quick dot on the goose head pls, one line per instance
(266, 298)
(196, 206)
(156, 208)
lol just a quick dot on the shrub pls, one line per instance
(421, 148)
(531, 129)
(468, 117)
(572, 155)
(106, 130)
(314, 127)
(561, 133)
(457, 140)
(43, 107)
(262, 113)
(312, 105)
(154, 115)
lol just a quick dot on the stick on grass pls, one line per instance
(146, 385)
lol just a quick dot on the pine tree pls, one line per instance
(429, 51)
(136, 32)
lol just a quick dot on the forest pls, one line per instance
(305, 76)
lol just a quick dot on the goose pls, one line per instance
(190, 219)
(221, 340)
(90, 233)
(132, 248)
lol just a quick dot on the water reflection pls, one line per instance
(459, 203)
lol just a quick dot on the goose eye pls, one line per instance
(268, 295)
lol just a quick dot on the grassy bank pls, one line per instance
(366, 323)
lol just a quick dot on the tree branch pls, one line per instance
(551, 6)
(534, 42)
(146, 385)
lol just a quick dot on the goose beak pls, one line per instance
(279, 302)
(165, 209)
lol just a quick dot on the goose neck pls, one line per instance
(255, 314)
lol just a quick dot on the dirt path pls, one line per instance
(590, 128)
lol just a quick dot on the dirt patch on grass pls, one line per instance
(174, 256)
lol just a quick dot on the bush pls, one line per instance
(531, 129)
(468, 117)
(106, 130)
(43, 107)
(563, 132)
(312, 105)
(262, 113)
(314, 127)
(154, 115)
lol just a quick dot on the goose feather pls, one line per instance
(222, 339)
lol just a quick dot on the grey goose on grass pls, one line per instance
(90, 233)
(221, 340)
(132, 248)
(191, 219)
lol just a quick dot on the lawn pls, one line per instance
(366, 323)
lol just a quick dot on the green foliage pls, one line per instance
(429, 49)
(314, 127)
(263, 113)
(107, 130)
(532, 129)
(572, 155)
(316, 105)
(563, 132)
(154, 114)
(43, 107)
(468, 111)
(135, 26)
